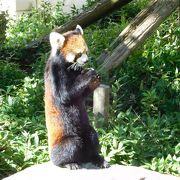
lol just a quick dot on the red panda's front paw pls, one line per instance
(95, 81)
(91, 73)
(84, 71)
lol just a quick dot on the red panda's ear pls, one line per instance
(56, 41)
(79, 29)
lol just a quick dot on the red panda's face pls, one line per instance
(72, 46)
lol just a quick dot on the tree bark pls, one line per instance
(136, 33)
(101, 9)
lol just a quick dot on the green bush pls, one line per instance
(144, 123)
(3, 22)
(22, 126)
(34, 25)
(23, 143)
(10, 74)
(137, 140)
(170, 164)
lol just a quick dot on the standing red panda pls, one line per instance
(71, 139)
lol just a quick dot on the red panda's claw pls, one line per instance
(98, 76)
(105, 164)
(72, 166)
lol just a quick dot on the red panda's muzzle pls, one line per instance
(82, 59)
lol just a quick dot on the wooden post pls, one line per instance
(101, 101)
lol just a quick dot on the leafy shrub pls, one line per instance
(96, 44)
(10, 74)
(170, 164)
(135, 140)
(153, 88)
(145, 105)
(3, 22)
(23, 143)
(25, 100)
(34, 25)
(22, 127)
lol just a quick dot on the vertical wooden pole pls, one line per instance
(101, 101)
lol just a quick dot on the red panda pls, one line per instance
(71, 139)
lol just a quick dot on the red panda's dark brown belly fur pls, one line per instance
(71, 138)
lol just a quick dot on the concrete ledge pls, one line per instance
(116, 172)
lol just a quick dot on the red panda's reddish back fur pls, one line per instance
(53, 121)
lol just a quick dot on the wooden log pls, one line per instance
(48, 171)
(101, 101)
(101, 9)
(137, 32)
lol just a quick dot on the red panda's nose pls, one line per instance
(83, 59)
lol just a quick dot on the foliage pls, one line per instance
(23, 143)
(3, 22)
(95, 43)
(144, 123)
(170, 164)
(12, 72)
(137, 141)
(143, 128)
(34, 25)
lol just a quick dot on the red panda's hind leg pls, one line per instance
(92, 148)
(68, 153)
(100, 162)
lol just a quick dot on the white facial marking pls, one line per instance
(83, 59)
(56, 41)
(70, 57)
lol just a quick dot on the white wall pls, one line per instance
(9, 5)
(23, 5)
(16, 7)
(69, 3)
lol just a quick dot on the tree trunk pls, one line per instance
(136, 32)
(101, 9)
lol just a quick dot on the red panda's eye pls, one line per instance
(79, 55)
